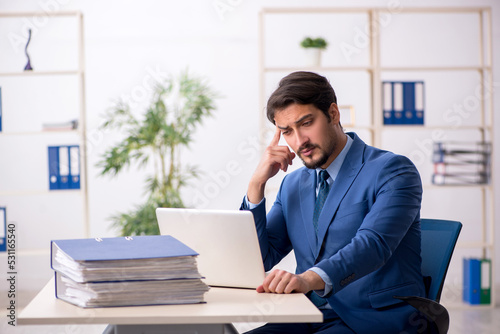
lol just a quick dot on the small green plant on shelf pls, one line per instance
(154, 139)
(318, 43)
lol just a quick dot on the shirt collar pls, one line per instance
(334, 168)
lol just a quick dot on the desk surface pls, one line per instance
(223, 305)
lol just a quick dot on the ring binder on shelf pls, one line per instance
(74, 167)
(387, 102)
(64, 167)
(403, 102)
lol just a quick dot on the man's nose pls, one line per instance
(301, 138)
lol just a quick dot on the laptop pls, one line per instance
(226, 241)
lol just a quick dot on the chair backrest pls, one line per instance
(438, 242)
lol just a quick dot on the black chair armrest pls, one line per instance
(436, 314)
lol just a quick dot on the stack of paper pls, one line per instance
(142, 270)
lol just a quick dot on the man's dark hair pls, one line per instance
(302, 88)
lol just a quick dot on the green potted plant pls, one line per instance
(154, 139)
(314, 47)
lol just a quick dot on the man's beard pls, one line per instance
(313, 164)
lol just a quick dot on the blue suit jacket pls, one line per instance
(368, 236)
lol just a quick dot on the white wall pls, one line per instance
(126, 41)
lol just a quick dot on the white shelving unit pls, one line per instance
(369, 35)
(65, 100)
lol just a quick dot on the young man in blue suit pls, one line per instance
(355, 230)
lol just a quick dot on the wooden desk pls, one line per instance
(223, 306)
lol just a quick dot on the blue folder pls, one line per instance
(403, 102)
(53, 167)
(409, 103)
(471, 281)
(74, 166)
(64, 167)
(123, 248)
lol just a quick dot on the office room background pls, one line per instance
(241, 48)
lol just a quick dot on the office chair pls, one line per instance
(438, 242)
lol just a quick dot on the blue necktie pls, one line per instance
(321, 198)
(320, 201)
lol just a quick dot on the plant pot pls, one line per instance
(313, 57)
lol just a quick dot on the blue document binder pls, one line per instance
(74, 167)
(123, 248)
(409, 102)
(64, 167)
(403, 102)
(387, 101)
(3, 229)
(471, 281)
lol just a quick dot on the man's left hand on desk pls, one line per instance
(281, 281)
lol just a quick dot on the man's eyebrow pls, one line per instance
(297, 121)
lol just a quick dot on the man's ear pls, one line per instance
(334, 113)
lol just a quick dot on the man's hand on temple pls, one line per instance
(276, 157)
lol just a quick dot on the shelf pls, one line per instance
(382, 68)
(436, 68)
(38, 192)
(406, 127)
(51, 13)
(475, 244)
(35, 133)
(319, 68)
(343, 10)
(464, 306)
(358, 127)
(39, 73)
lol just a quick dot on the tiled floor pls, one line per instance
(463, 321)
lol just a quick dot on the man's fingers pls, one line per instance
(276, 137)
(277, 282)
(281, 155)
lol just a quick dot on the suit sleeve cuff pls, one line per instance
(328, 282)
(249, 205)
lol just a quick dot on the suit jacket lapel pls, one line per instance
(347, 174)
(307, 198)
